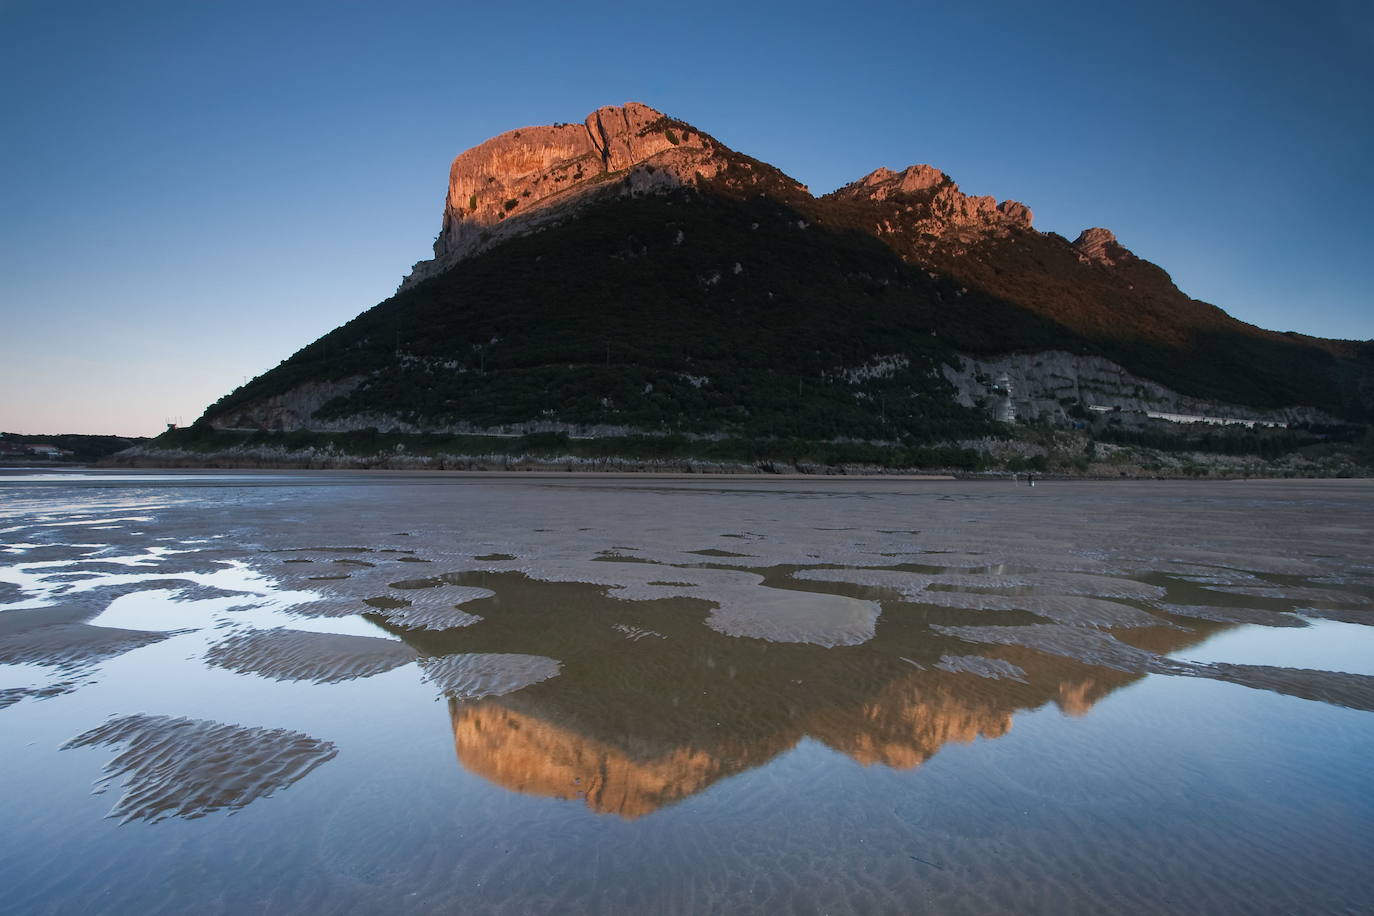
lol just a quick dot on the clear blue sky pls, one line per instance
(192, 190)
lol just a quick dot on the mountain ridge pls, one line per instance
(587, 275)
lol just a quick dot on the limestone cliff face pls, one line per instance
(293, 409)
(525, 178)
(1044, 384)
(927, 201)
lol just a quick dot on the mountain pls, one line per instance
(631, 274)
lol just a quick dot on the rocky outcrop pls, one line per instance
(928, 201)
(1047, 385)
(1099, 246)
(523, 179)
(293, 409)
(527, 178)
(882, 183)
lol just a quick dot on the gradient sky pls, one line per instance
(193, 190)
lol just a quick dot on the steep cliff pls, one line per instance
(527, 178)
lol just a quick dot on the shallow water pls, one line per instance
(366, 693)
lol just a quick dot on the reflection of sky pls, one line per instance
(159, 611)
(1325, 645)
(195, 191)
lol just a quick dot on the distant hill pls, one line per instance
(71, 446)
(631, 275)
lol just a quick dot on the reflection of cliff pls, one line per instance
(904, 725)
(528, 755)
(634, 726)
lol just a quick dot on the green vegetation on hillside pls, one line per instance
(685, 313)
(83, 448)
(1232, 440)
(752, 311)
(771, 454)
(1110, 452)
(1130, 313)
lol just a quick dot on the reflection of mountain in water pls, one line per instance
(527, 754)
(634, 724)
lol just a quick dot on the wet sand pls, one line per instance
(585, 693)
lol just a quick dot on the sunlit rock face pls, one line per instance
(522, 179)
(1099, 246)
(931, 204)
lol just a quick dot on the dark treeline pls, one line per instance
(1235, 440)
(782, 453)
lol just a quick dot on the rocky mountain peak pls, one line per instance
(525, 178)
(628, 134)
(1099, 246)
(919, 188)
(923, 202)
(882, 182)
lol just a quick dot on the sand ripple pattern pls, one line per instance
(11, 695)
(435, 609)
(991, 668)
(73, 646)
(294, 655)
(1234, 615)
(189, 768)
(470, 676)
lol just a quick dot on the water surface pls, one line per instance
(364, 693)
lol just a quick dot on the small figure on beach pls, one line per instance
(1030, 480)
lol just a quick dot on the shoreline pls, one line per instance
(114, 472)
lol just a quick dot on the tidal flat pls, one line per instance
(354, 693)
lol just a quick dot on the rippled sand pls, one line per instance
(292, 655)
(191, 768)
(602, 695)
